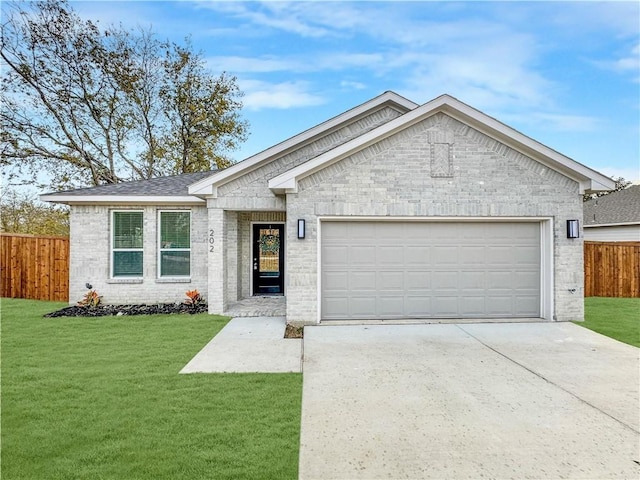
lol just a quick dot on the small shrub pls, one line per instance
(193, 298)
(90, 299)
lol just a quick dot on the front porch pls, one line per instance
(258, 306)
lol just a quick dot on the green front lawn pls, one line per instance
(618, 318)
(102, 399)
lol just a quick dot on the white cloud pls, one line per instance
(286, 95)
(627, 63)
(264, 64)
(283, 16)
(563, 122)
(350, 85)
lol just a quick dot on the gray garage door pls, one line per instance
(386, 270)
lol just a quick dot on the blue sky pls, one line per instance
(565, 73)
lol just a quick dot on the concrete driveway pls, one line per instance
(520, 400)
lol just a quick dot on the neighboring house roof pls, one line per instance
(589, 179)
(172, 189)
(617, 208)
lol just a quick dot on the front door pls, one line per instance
(268, 259)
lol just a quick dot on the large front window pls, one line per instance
(126, 244)
(175, 244)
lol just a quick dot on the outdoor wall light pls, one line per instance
(573, 229)
(301, 228)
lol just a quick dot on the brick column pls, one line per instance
(215, 261)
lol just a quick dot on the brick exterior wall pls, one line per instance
(395, 178)
(90, 230)
(438, 167)
(252, 185)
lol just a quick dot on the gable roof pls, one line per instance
(173, 189)
(589, 179)
(209, 185)
(617, 208)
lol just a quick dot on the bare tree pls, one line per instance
(90, 106)
(621, 184)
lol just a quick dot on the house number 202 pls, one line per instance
(212, 240)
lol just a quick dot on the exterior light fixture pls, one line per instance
(301, 228)
(573, 229)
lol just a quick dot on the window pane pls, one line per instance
(127, 230)
(175, 230)
(127, 264)
(175, 264)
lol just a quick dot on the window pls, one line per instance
(126, 244)
(175, 244)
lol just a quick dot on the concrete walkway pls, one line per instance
(537, 400)
(252, 344)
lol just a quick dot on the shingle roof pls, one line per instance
(622, 206)
(176, 185)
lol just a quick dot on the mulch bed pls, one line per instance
(120, 310)
(292, 331)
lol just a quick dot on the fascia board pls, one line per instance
(207, 186)
(624, 224)
(292, 176)
(122, 199)
(587, 178)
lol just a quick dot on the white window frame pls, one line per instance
(161, 250)
(112, 248)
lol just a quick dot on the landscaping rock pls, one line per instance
(121, 310)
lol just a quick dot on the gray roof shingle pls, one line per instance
(176, 185)
(622, 206)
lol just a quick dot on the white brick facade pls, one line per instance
(442, 160)
(90, 235)
(393, 179)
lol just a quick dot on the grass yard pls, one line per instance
(618, 318)
(101, 398)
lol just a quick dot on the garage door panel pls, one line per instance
(499, 280)
(418, 255)
(334, 306)
(430, 269)
(335, 281)
(528, 303)
(333, 255)
(527, 255)
(500, 254)
(445, 255)
(472, 306)
(499, 305)
(361, 280)
(390, 255)
(418, 280)
(471, 280)
(445, 306)
(472, 254)
(362, 255)
(524, 280)
(416, 305)
(362, 306)
(391, 305)
(390, 280)
(445, 280)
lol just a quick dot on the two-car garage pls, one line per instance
(431, 269)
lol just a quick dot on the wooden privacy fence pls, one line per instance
(35, 267)
(612, 269)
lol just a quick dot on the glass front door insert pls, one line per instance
(268, 259)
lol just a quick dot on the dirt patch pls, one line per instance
(291, 331)
(128, 310)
